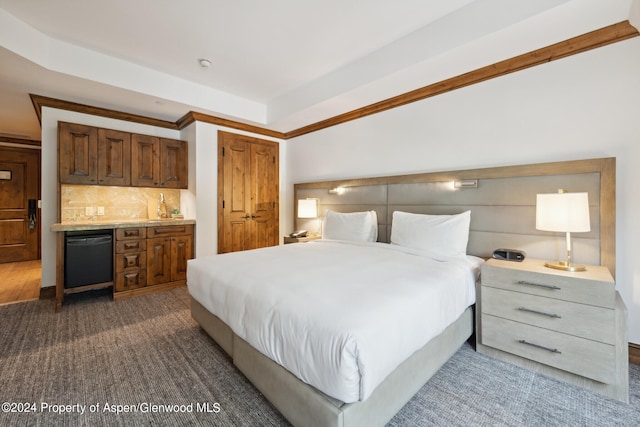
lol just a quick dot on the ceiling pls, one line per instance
(278, 64)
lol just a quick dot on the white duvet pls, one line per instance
(340, 316)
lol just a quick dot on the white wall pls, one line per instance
(50, 118)
(581, 107)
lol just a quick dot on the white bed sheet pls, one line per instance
(340, 316)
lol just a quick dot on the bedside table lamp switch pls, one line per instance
(563, 212)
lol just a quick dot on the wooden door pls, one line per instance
(77, 154)
(158, 260)
(145, 161)
(19, 183)
(173, 163)
(114, 157)
(264, 195)
(181, 252)
(247, 193)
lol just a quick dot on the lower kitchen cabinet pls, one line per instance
(168, 249)
(161, 265)
(131, 259)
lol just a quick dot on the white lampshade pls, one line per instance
(566, 213)
(563, 212)
(307, 208)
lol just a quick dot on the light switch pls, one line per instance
(88, 211)
(100, 210)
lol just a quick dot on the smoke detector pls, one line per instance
(204, 63)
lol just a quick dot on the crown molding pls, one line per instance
(43, 101)
(193, 116)
(592, 40)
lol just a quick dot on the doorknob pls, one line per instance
(255, 216)
(247, 216)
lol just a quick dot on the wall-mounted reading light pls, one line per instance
(337, 190)
(466, 183)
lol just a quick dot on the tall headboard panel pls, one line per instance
(502, 205)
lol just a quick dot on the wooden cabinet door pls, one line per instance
(158, 260)
(181, 252)
(173, 163)
(264, 191)
(114, 157)
(77, 154)
(145, 161)
(247, 193)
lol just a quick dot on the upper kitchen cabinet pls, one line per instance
(173, 163)
(145, 167)
(158, 162)
(96, 156)
(114, 157)
(77, 153)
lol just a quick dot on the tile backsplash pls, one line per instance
(81, 203)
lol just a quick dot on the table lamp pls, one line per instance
(563, 212)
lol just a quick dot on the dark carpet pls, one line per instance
(144, 361)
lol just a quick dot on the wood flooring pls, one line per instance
(20, 281)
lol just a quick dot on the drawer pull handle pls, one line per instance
(524, 282)
(528, 310)
(552, 350)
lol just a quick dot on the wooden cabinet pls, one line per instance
(152, 258)
(96, 156)
(158, 162)
(569, 325)
(131, 259)
(77, 154)
(114, 157)
(168, 249)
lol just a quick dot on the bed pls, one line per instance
(235, 295)
(341, 314)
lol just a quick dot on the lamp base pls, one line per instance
(565, 266)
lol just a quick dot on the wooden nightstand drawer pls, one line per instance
(580, 356)
(581, 320)
(532, 277)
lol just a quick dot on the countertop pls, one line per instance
(102, 225)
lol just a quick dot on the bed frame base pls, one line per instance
(303, 405)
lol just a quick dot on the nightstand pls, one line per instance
(570, 326)
(288, 239)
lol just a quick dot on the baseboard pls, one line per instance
(49, 292)
(634, 353)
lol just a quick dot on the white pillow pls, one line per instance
(352, 226)
(439, 235)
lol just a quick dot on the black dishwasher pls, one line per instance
(88, 258)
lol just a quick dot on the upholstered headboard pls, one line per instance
(502, 205)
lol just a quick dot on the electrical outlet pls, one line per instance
(88, 211)
(100, 210)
